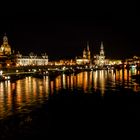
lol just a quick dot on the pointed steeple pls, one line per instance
(102, 49)
(84, 53)
(88, 51)
(87, 46)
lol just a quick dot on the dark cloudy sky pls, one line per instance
(65, 35)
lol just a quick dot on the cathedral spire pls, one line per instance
(84, 53)
(88, 51)
(87, 46)
(102, 49)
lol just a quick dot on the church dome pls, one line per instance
(6, 48)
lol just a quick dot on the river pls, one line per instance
(70, 95)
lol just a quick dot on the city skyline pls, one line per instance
(74, 71)
(66, 36)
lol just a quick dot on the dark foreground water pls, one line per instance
(89, 104)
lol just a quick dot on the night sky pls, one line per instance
(66, 35)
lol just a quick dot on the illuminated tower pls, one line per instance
(5, 47)
(84, 53)
(88, 51)
(102, 56)
(102, 50)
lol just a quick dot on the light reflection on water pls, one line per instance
(18, 96)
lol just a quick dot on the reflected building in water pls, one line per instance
(18, 96)
(100, 80)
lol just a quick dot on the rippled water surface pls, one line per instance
(26, 94)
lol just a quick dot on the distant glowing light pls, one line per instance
(1, 72)
(34, 70)
(133, 66)
(7, 77)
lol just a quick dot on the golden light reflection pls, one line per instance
(29, 91)
(68, 82)
(1, 99)
(14, 96)
(1, 87)
(35, 85)
(64, 80)
(85, 81)
(75, 81)
(102, 82)
(26, 89)
(52, 87)
(71, 81)
(46, 86)
(12, 88)
(95, 74)
(40, 95)
(58, 83)
(19, 91)
(80, 79)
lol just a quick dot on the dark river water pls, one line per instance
(85, 102)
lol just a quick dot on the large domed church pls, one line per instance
(6, 56)
(5, 48)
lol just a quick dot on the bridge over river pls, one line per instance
(38, 71)
(50, 70)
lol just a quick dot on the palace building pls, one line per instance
(31, 60)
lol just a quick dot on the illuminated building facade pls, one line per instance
(86, 59)
(31, 60)
(63, 62)
(5, 48)
(99, 60)
(114, 62)
(6, 56)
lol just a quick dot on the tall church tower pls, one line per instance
(88, 51)
(102, 49)
(102, 56)
(84, 53)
